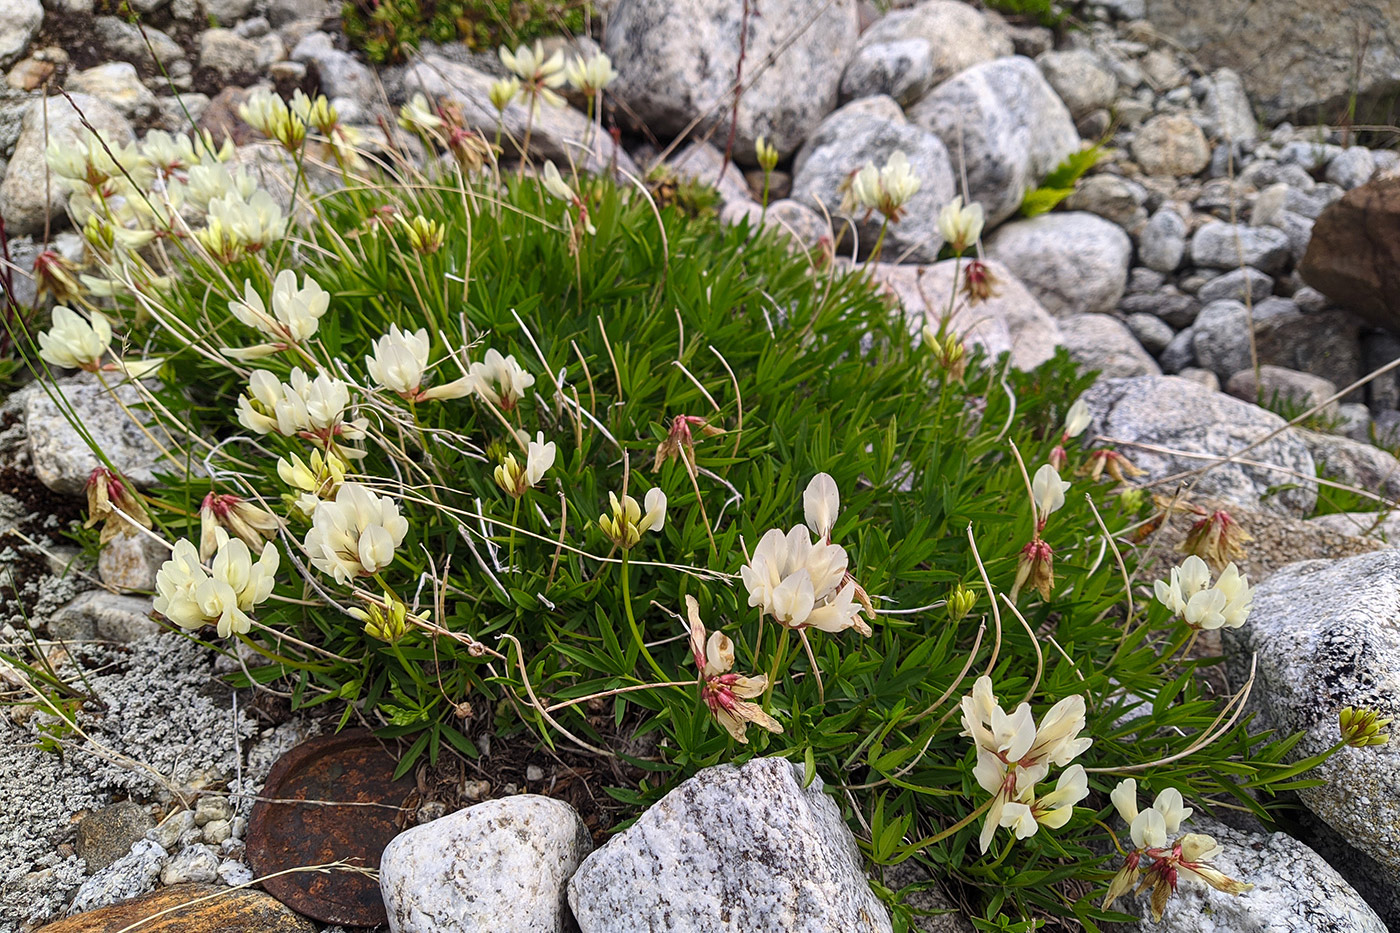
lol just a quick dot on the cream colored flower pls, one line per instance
(417, 115)
(1190, 595)
(515, 479)
(74, 343)
(820, 502)
(355, 534)
(591, 75)
(960, 226)
(625, 522)
(724, 693)
(399, 360)
(314, 111)
(538, 75)
(320, 479)
(191, 597)
(499, 380)
(1048, 490)
(296, 312)
(304, 406)
(503, 91)
(766, 154)
(267, 113)
(555, 184)
(234, 515)
(801, 584)
(1077, 419)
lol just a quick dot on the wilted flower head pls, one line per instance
(1035, 566)
(234, 515)
(1217, 539)
(516, 479)
(723, 692)
(74, 343)
(960, 226)
(107, 495)
(499, 380)
(1112, 462)
(625, 523)
(355, 534)
(590, 75)
(1013, 755)
(56, 277)
(680, 439)
(191, 597)
(979, 284)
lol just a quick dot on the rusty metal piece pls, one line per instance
(349, 768)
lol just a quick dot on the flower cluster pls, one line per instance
(884, 190)
(310, 407)
(192, 596)
(801, 583)
(1155, 862)
(516, 479)
(960, 226)
(1013, 755)
(354, 534)
(624, 523)
(399, 362)
(295, 316)
(1189, 594)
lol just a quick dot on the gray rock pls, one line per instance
(1310, 300)
(228, 12)
(108, 834)
(194, 863)
(1151, 331)
(1298, 229)
(1073, 262)
(1113, 198)
(1010, 321)
(216, 832)
(1169, 304)
(19, 21)
(1221, 338)
(1227, 108)
(1326, 636)
(500, 865)
(1180, 355)
(1351, 168)
(1295, 890)
(1003, 124)
(1162, 243)
(1354, 462)
(1326, 344)
(1246, 283)
(1291, 54)
(132, 875)
(342, 74)
(1219, 245)
(1102, 343)
(1171, 144)
(117, 84)
(124, 41)
(282, 12)
(129, 562)
(230, 56)
(1354, 421)
(1081, 80)
(62, 459)
(1378, 349)
(1275, 384)
(107, 616)
(677, 60)
(1175, 414)
(1202, 377)
(1312, 202)
(744, 848)
(172, 829)
(702, 162)
(210, 808)
(1383, 526)
(870, 130)
(1312, 155)
(23, 200)
(804, 226)
(1142, 280)
(958, 35)
(902, 69)
(562, 135)
(1386, 426)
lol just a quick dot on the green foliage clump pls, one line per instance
(388, 30)
(1042, 12)
(664, 353)
(1060, 183)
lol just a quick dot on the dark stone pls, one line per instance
(106, 835)
(1354, 255)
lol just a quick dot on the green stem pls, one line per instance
(632, 620)
(952, 297)
(514, 521)
(879, 242)
(778, 654)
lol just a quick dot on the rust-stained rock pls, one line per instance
(1354, 255)
(241, 911)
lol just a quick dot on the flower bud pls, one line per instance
(503, 92)
(387, 622)
(425, 236)
(960, 603)
(1362, 727)
(767, 154)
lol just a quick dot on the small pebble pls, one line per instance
(216, 831)
(510, 789)
(212, 808)
(196, 863)
(475, 790)
(172, 828)
(234, 873)
(431, 810)
(534, 773)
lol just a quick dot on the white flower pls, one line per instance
(529, 63)
(590, 75)
(1239, 597)
(296, 312)
(959, 225)
(251, 224)
(898, 181)
(399, 360)
(555, 184)
(1077, 418)
(1150, 828)
(820, 503)
(499, 380)
(355, 534)
(417, 115)
(1048, 490)
(625, 522)
(1190, 595)
(191, 596)
(303, 406)
(802, 584)
(503, 91)
(72, 342)
(515, 479)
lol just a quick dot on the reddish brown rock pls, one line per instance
(242, 911)
(1354, 255)
(221, 117)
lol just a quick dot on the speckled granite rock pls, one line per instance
(500, 865)
(1326, 635)
(1171, 413)
(62, 459)
(743, 848)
